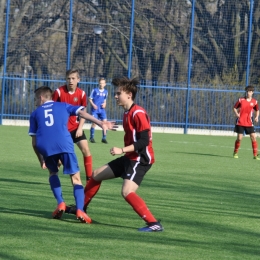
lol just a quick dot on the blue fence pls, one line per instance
(189, 55)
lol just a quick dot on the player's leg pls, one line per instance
(92, 129)
(240, 131)
(82, 143)
(254, 143)
(70, 166)
(132, 180)
(103, 117)
(51, 163)
(92, 133)
(93, 185)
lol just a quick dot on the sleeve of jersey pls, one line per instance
(256, 107)
(237, 105)
(84, 99)
(73, 110)
(142, 126)
(55, 95)
(33, 126)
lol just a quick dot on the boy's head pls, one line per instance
(72, 78)
(127, 85)
(249, 88)
(42, 94)
(102, 83)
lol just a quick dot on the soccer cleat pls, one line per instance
(92, 140)
(152, 227)
(104, 141)
(235, 155)
(256, 157)
(71, 209)
(83, 217)
(57, 213)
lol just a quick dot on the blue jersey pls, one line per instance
(98, 97)
(49, 123)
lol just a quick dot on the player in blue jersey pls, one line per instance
(98, 99)
(52, 142)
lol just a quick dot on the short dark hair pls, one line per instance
(102, 78)
(127, 85)
(249, 88)
(70, 71)
(43, 91)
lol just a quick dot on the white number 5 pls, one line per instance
(48, 114)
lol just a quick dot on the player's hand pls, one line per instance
(256, 119)
(95, 107)
(115, 151)
(79, 133)
(43, 165)
(109, 125)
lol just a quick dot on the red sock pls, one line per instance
(90, 190)
(255, 148)
(140, 207)
(237, 145)
(88, 166)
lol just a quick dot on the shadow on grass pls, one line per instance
(204, 154)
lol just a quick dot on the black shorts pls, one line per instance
(128, 169)
(244, 129)
(77, 139)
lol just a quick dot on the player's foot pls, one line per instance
(104, 141)
(152, 227)
(71, 209)
(256, 157)
(92, 140)
(83, 217)
(57, 213)
(235, 155)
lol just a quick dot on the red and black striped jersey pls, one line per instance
(135, 121)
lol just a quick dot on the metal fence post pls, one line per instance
(249, 42)
(70, 34)
(131, 39)
(189, 68)
(5, 57)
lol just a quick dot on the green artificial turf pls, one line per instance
(208, 203)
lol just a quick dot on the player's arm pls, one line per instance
(256, 113)
(79, 131)
(55, 96)
(104, 104)
(92, 103)
(142, 142)
(105, 125)
(39, 156)
(235, 109)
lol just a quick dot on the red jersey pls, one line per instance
(246, 111)
(78, 98)
(135, 121)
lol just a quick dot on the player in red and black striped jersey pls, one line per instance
(138, 154)
(244, 110)
(72, 94)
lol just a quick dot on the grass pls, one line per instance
(208, 203)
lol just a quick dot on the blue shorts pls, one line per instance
(101, 115)
(69, 162)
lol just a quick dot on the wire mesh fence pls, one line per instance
(187, 54)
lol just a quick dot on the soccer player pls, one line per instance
(98, 99)
(52, 143)
(244, 111)
(72, 94)
(138, 155)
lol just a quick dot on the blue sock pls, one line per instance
(56, 188)
(92, 132)
(104, 136)
(79, 196)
